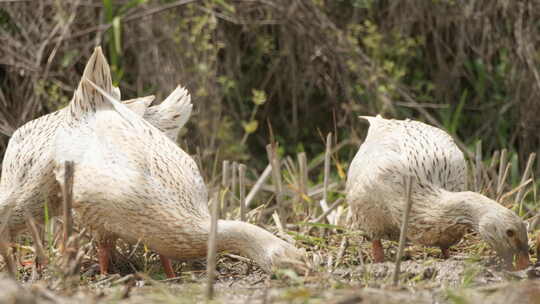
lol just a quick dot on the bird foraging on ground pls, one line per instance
(133, 182)
(28, 179)
(442, 211)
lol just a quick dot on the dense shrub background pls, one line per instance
(299, 68)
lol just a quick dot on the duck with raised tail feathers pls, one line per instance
(27, 172)
(28, 168)
(441, 209)
(132, 182)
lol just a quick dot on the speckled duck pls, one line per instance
(132, 182)
(28, 168)
(441, 209)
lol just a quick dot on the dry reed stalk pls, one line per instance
(234, 182)
(330, 263)
(38, 244)
(504, 170)
(324, 201)
(528, 168)
(279, 224)
(273, 159)
(321, 217)
(258, 185)
(403, 233)
(478, 167)
(242, 182)
(303, 182)
(495, 159)
(515, 190)
(7, 253)
(342, 248)
(212, 249)
(225, 187)
(73, 263)
(67, 203)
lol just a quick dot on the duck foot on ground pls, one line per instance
(167, 266)
(377, 251)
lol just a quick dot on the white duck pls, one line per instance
(132, 182)
(441, 209)
(28, 167)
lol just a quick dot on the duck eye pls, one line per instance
(510, 233)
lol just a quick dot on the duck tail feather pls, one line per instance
(178, 105)
(172, 114)
(371, 119)
(97, 71)
(140, 104)
(113, 103)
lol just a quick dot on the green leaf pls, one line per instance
(259, 97)
(117, 30)
(109, 12)
(251, 126)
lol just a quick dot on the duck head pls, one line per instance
(506, 233)
(500, 227)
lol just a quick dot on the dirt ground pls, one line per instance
(457, 280)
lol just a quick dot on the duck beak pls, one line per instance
(522, 260)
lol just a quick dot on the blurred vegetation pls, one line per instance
(290, 70)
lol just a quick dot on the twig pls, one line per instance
(327, 211)
(327, 165)
(503, 172)
(212, 248)
(224, 186)
(324, 201)
(342, 248)
(242, 181)
(281, 228)
(237, 257)
(7, 254)
(303, 180)
(234, 180)
(403, 233)
(526, 173)
(260, 182)
(478, 167)
(276, 178)
(516, 189)
(67, 200)
(279, 224)
(38, 245)
(146, 13)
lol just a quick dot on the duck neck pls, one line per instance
(469, 208)
(253, 242)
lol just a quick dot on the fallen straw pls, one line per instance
(403, 233)
(258, 185)
(327, 211)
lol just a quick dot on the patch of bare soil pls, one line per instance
(459, 279)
